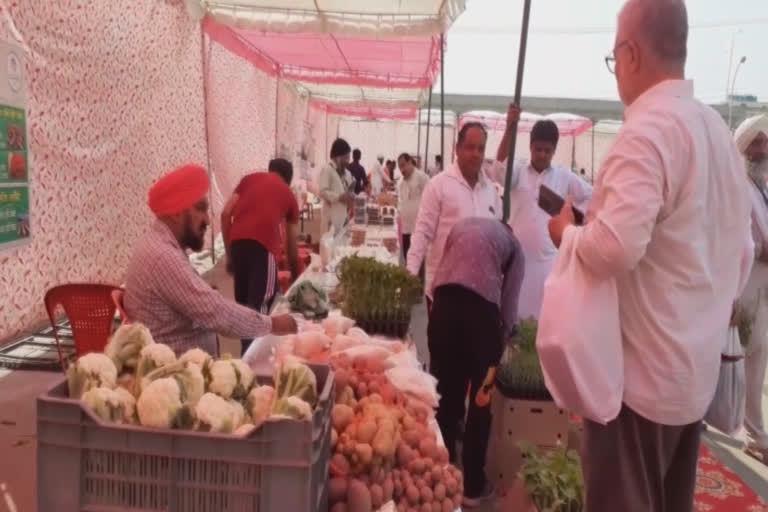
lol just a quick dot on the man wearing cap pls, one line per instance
(752, 307)
(379, 176)
(163, 290)
(336, 187)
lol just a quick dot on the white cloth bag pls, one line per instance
(579, 337)
(726, 412)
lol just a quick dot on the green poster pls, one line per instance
(13, 129)
(14, 214)
(13, 166)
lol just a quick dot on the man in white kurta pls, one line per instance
(528, 221)
(460, 191)
(379, 176)
(752, 140)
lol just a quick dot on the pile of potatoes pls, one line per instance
(383, 450)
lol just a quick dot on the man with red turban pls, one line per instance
(163, 290)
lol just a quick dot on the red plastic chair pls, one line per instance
(117, 298)
(91, 313)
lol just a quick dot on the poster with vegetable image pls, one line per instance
(14, 157)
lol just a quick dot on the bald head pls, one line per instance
(660, 26)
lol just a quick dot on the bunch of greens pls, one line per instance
(377, 295)
(553, 479)
(309, 300)
(519, 374)
(746, 321)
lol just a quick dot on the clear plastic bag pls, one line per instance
(726, 412)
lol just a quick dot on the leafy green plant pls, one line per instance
(746, 321)
(519, 374)
(552, 479)
(378, 295)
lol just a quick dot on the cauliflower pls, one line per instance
(126, 343)
(188, 375)
(198, 356)
(259, 403)
(91, 371)
(215, 414)
(240, 415)
(128, 401)
(292, 407)
(152, 357)
(230, 378)
(104, 403)
(296, 379)
(160, 405)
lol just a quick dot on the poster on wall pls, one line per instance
(14, 158)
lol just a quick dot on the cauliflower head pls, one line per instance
(160, 405)
(296, 379)
(128, 402)
(259, 403)
(125, 345)
(104, 403)
(198, 356)
(292, 407)
(92, 370)
(215, 414)
(230, 378)
(188, 375)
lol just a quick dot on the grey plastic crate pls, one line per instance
(84, 464)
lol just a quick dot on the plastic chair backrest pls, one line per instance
(117, 298)
(91, 313)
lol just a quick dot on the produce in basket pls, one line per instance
(259, 403)
(296, 379)
(291, 407)
(126, 343)
(198, 356)
(162, 405)
(309, 300)
(189, 375)
(229, 378)
(105, 403)
(91, 371)
(152, 357)
(215, 414)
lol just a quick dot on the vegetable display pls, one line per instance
(519, 375)
(378, 296)
(195, 391)
(553, 479)
(309, 300)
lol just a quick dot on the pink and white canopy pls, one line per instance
(353, 18)
(569, 124)
(352, 57)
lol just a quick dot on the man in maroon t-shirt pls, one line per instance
(250, 224)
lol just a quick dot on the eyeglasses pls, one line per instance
(610, 60)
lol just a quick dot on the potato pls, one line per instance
(377, 496)
(339, 465)
(341, 376)
(334, 438)
(358, 497)
(337, 489)
(388, 487)
(428, 448)
(404, 454)
(412, 437)
(364, 453)
(402, 507)
(437, 506)
(439, 492)
(412, 494)
(341, 415)
(437, 474)
(457, 501)
(366, 431)
(426, 507)
(427, 477)
(365, 479)
(448, 505)
(362, 389)
(426, 494)
(416, 466)
(397, 489)
(451, 486)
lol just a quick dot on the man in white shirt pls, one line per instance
(437, 168)
(528, 221)
(669, 221)
(336, 188)
(379, 176)
(410, 190)
(460, 191)
(752, 307)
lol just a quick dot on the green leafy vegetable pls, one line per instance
(553, 479)
(308, 299)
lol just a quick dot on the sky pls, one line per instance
(568, 40)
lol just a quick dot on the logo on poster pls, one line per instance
(13, 72)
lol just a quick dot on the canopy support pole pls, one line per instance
(573, 152)
(429, 121)
(277, 111)
(442, 99)
(418, 132)
(518, 94)
(206, 56)
(593, 151)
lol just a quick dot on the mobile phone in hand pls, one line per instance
(552, 203)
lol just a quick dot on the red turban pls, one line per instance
(178, 190)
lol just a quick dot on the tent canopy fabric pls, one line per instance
(406, 62)
(569, 125)
(356, 18)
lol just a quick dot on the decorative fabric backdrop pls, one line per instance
(115, 99)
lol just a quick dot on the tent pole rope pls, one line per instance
(518, 93)
(442, 98)
(429, 121)
(206, 58)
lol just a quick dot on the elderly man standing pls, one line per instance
(162, 289)
(752, 307)
(336, 188)
(651, 227)
(459, 192)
